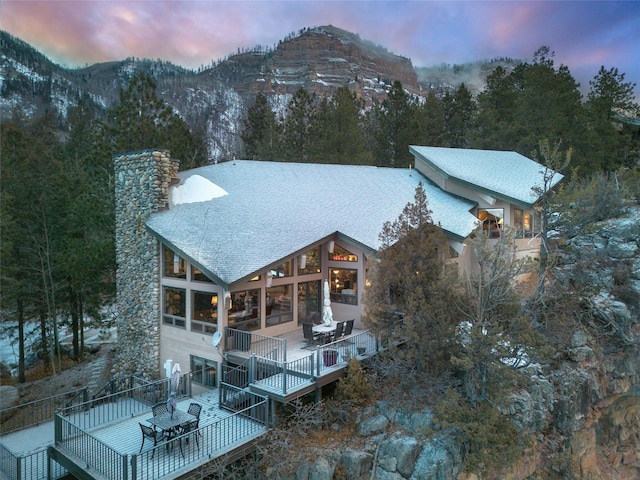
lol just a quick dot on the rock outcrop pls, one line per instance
(582, 418)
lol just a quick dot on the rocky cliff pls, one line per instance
(581, 417)
(320, 60)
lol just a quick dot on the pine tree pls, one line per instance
(261, 131)
(410, 296)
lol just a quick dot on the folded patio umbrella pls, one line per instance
(172, 401)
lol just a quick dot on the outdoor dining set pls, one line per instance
(168, 424)
(324, 333)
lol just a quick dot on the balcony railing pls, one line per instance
(260, 345)
(39, 411)
(248, 421)
(285, 377)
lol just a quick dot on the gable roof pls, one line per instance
(505, 175)
(274, 209)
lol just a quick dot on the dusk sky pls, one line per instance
(583, 34)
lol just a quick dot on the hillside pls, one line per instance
(319, 59)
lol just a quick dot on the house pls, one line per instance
(247, 245)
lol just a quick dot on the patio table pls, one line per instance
(169, 423)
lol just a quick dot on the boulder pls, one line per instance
(373, 425)
(404, 450)
(321, 469)
(356, 463)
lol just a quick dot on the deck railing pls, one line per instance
(260, 345)
(95, 455)
(245, 424)
(28, 467)
(283, 377)
(122, 404)
(213, 440)
(39, 411)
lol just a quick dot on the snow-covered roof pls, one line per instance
(272, 210)
(507, 175)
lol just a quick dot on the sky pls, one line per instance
(584, 35)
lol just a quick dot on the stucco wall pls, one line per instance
(141, 188)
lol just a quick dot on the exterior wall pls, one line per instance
(141, 188)
(178, 344)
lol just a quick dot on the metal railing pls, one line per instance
(212, 441)
(256, 344)
(38, 411)
(248, 421)
(28, 467)
(124, 403)
(283, 377)
(94, 454)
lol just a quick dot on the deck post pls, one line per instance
(134, 465)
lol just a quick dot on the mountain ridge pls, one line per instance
(216, 98)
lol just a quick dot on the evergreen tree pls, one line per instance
(337, 130)
(393, 127)
(260, 135)
(431, 122)
(611, 99)
(89, 258)
(296, 128)
(410, 296)
(459, 111)
(142, 120)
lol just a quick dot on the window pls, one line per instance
(492, 221)
(308, 299)
(174, 306)
(344, 286)
(198, 276)
(279, 300)
(311, 262)
(204, 312)
(282, 270)
(203, 371)
(342, 255)
(244, 310)
(525, 223)
(173, 265)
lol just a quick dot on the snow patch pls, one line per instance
(195, 189)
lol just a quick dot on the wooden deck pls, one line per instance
(104, 441)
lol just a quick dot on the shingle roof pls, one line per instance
(274, 209)
(508, 175)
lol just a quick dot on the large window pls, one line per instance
(174, 306)
(308, 299)
(173, 265)
(203, 371)
(309, 262)
(244, 310)
(279, 300)
(204, 312)
(344, 286)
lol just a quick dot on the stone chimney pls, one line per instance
(142, 181)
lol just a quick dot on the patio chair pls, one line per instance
(195, 409)
(338, 332)
(309, 336)
(186, 429)
(348, 327)
(159, 409)
(149, 432)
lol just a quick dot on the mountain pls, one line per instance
(215, 99)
